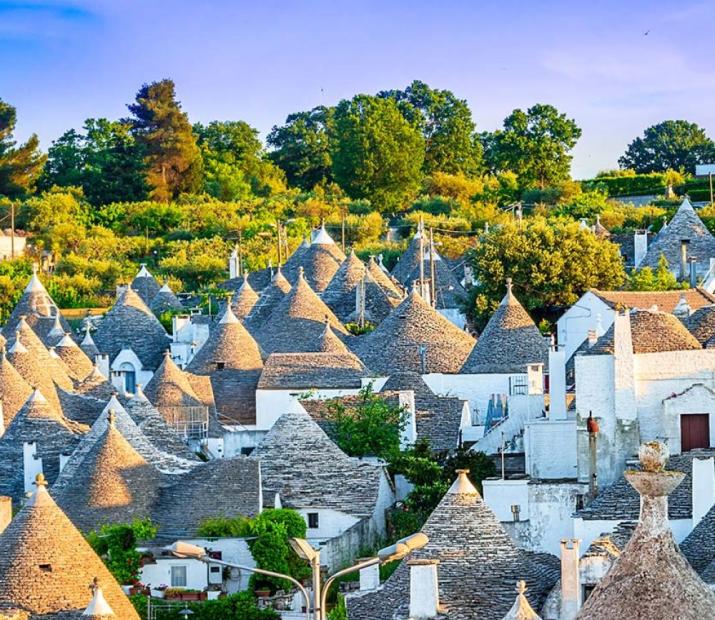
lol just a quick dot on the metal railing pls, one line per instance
(191, 422)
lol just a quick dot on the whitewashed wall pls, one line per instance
(272, 404)
(573, 326)
(550, 447)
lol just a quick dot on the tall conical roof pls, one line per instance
(112, 483)
(295, 260)
(165, 301)
(320, 260)
(46, 565)
(76, 361)
(39, 310)
(33, 361)
(478, 564)
(145, 285)
(521, 610)
(233, 360)
(297, 321)
(510, 341)
(329, 342)
(244, 299)
(651, 578)
(130, 324)
(448, 291)
(685, 225)
(37, 421)
(340, 295)
(14, 390)
(385, 281)
(269, 298)
(397, 343)
(170, 387)
(409, 259)
(320, 480)
(87, 345)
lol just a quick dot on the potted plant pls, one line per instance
(159, 592)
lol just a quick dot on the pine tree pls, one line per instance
(19, 165)
(162, 129)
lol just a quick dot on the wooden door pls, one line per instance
(694, 431)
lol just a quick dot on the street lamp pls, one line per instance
(398, 551)
(186, 612)
(183, 549)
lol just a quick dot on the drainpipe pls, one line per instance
(592, 427)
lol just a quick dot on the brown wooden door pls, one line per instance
(694, 431)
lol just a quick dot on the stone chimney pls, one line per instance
(424, 589)
(703, 482)
(5, 512)
(684, 259)
(557, 382)
(640, 246)
(682, 310)
(370, 578)
(570, 579)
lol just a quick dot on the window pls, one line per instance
(587, 590)
(518, 385)
(247, 451)
(46, 568)
(130, 378)
(220, 365)
(313, 522)
(178, 576)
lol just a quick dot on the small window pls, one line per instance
(215, 569)
(313, 521)
(178, 576)
(247, 451)
(220, 365)
(46, 568)
(587, 590)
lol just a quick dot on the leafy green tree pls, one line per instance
(116, 545)
(535, 145)
(551, 263)
(20, 166)
(662, 279)
(676, 145)
(370, 427)
(301, 148)
(377, 154)
(163, 131)
(239, 606)
(234, 164)
(105, 161)
(451, 145)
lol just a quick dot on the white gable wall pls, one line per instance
(575, 323)
(272, 404)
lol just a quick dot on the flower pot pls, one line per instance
(212, 595)
(157, 593)
(127, 590)
(263, 593)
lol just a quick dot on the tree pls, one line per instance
(105, 161)
(676, 145)
(372, 427)
(163, 131)
(447, 127)
(234, 164)
(20, 166)
(377, 154)
(301, 148)
(551, 263)
(662, 279)
(535, 145)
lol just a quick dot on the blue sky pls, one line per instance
(67, 60)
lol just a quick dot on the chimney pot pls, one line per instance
(570, 579)
(424, 589)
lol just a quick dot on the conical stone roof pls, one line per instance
(40, 422)
(685, 225)
(165, 301)
(297, 321)
(651, 578)
(39, 310)
(33, 361)
(87, 345)
(269, 298)
(145, 285)
(294, 261)
(521, 610)
(76, 361)
(478, 565)
(233, 360)
(130, 324)
(46, 565)
(320, 261)
(112, 483)
(329, 342)
(386, 282)
(170, 388)
(396, 344)
(244, 299)
(510, 341)
(409, 259)
(14, 390)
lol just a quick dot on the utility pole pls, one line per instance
(422, 258)
(12, 227)
(280, 253)
(433, 288)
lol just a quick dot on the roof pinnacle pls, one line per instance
(111, 417)
(40, 480)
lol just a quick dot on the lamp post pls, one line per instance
(187, 550)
